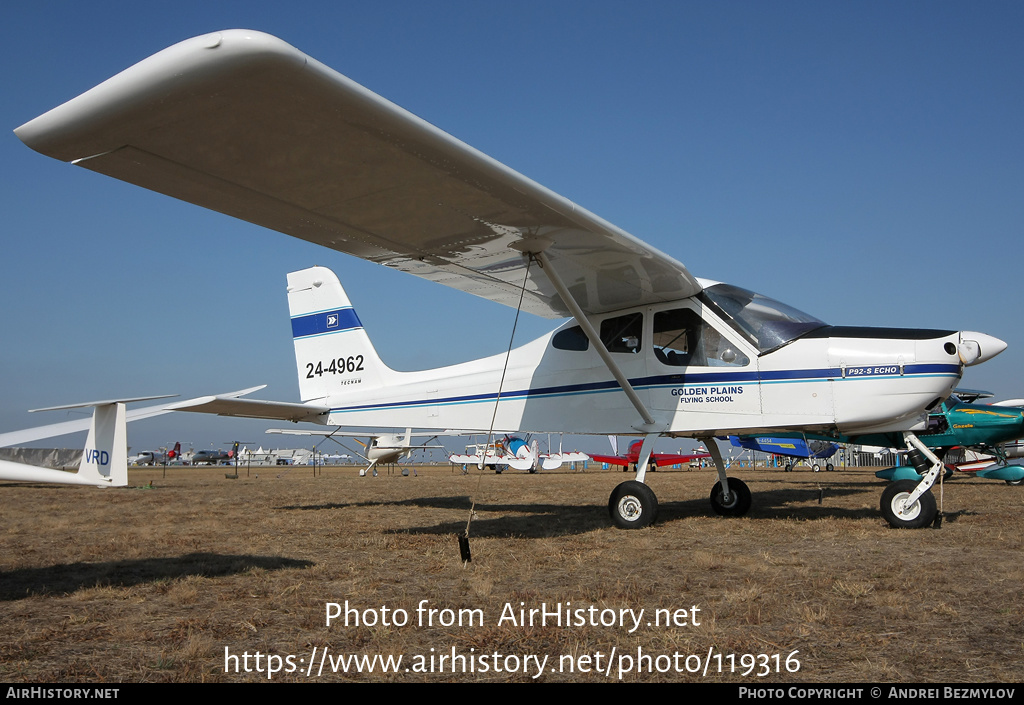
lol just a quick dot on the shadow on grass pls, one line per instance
(69, 577)
(456, 502)
(545, 520)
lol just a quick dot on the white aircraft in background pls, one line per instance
(155, 457)
(380, 448)
(245, 124)
(516, 453)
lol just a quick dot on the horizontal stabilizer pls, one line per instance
(226, 405)
(356, 434)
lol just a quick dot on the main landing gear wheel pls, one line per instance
(816, 468)
(789, 467)
(829, 467)
(1015, 483)
(633, 505)
(739, 499)
(900, 516)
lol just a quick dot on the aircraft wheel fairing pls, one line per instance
(739, 499)
(899, 516)
(633, 505)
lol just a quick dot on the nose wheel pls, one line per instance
(902, 514)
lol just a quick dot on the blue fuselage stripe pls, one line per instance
(662, 381)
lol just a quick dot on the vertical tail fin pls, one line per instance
(333, 353)
(105, 458)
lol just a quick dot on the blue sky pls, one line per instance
(861, 161)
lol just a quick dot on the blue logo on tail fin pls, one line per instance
(325, 322)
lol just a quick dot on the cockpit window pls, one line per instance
(623, 334)
(767, 323)
(571, 339)
(681, 339)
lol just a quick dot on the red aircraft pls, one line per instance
(632, 457)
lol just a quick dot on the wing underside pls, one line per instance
(242, 123)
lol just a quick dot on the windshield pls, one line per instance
(765, 322)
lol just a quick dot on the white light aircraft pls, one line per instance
(516, 453)
(155, 457)
(245, 124)
(381, 448)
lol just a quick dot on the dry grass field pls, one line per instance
(154, 583)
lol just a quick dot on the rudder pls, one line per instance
(105, 457)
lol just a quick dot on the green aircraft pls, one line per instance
(957, 423)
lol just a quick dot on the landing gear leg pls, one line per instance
(729, 497)
(909, 505)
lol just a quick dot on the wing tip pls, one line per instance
(67, 131)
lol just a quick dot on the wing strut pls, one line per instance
(535, 249)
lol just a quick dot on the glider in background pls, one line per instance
(105, 456)
(245, 124)
(106, 448)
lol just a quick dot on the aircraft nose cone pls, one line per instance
(975, 348)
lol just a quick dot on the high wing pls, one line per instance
(243, 123)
